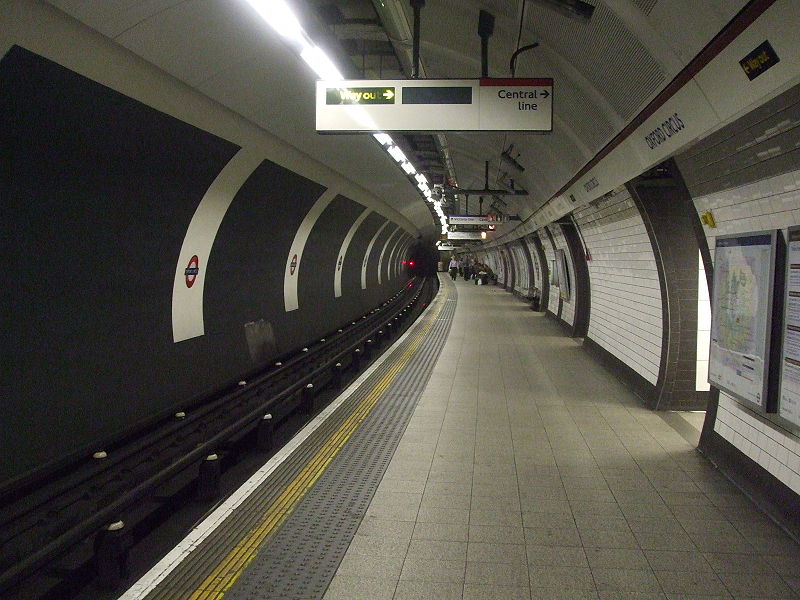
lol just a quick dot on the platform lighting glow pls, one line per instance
(384, 139)
(397, 154)
(319, 61)
(422, 187)
(408, 168)
(421, 179)
(281, 18)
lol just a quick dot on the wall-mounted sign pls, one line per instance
(759, 60)
(435, 105)
(447, 247)
(741, 314)
(191, 271)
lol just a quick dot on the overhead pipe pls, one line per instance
(485, 31)
(416, 5)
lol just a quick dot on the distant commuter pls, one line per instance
(453, 268)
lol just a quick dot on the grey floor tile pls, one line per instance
(556, 556)
(386, 528)
(495, 516)
(393, 512)
(655, 524)
(629, 595)
(692, 583)
(604, 538)
(635, 580)
(497, 574)
(619, 558)
(377, 567)
(495, 592)
(646, 511)
(584, 521)
(437, 549)
(785, 564)
(449, 488)
(563, 578)
(350, 587)
(496, 534)
(457, 532)
(680, 542)
(431, 500)
(729, 562)
(495, 502)
(457, 516)
(396, 498)
(372, 545)
(710, 542)
(552, 536)
(774, 544)
(600, 509)
(426, 590)
(443, 571)
(756, 584)
(496, 552)
(401, 485)
(562, 594)
(671, 560)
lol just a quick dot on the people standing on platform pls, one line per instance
(467, 268)
(453, 268)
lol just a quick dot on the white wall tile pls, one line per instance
(625, 316)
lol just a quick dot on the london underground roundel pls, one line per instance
(191, 271)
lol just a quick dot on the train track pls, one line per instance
(74, 521)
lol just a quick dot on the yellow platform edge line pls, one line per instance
(236, 561)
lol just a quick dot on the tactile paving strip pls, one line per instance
(303, 556)
(300, 556)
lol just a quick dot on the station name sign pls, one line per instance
(435, 105)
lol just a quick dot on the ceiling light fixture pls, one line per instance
(279, 16)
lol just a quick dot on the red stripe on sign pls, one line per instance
(542, 81)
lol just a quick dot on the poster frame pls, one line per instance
(767, 403)
(778, 417)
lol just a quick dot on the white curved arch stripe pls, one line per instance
(366, 255)
(290, 279)
(337, 277)
(383, 252)
(187, 302)
(392, 254)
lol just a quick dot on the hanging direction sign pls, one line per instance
(471, 220)
(466, 235)
(435, 105)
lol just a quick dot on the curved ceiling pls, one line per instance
(605, 71)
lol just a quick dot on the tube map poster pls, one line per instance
(741, 315)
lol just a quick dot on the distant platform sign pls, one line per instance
(466, 235)
(435, 105)
(471, 220)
